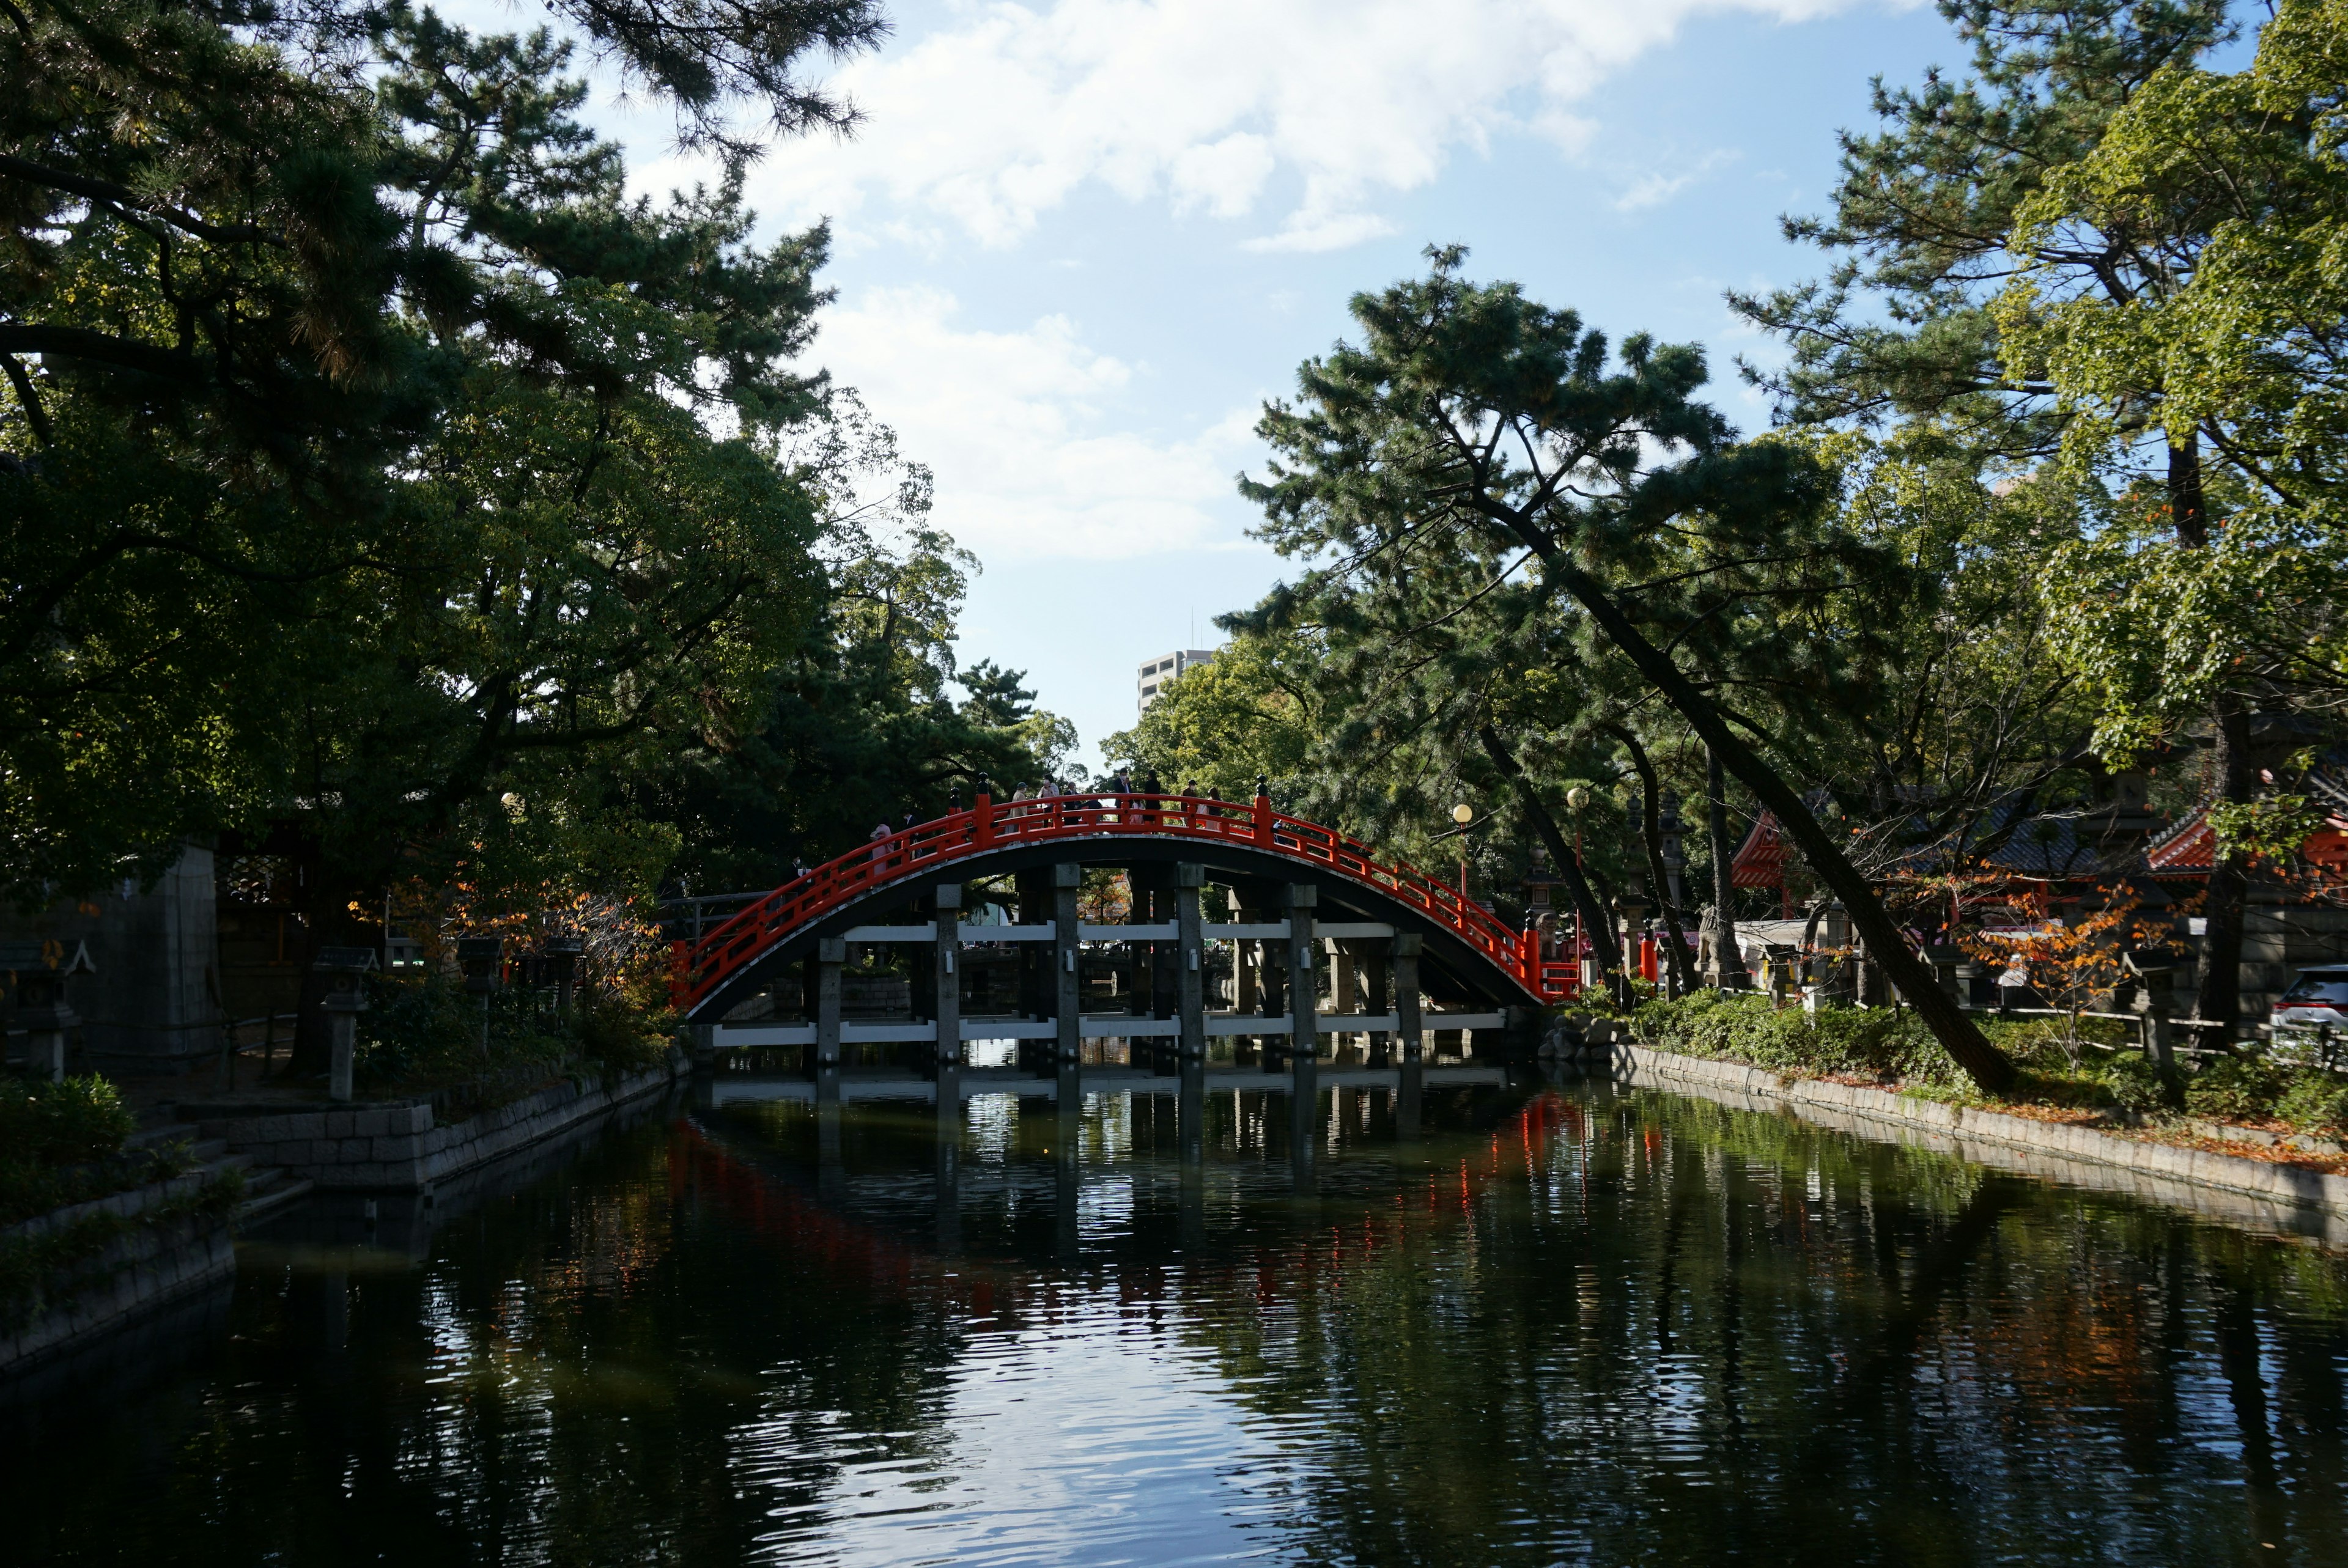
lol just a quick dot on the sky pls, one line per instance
(1077, 244)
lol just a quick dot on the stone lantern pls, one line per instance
(344, 970)
(559, 964)
(483, 960)
(2155, 967)
(40, 970)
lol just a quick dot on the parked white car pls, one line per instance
(2316, 997)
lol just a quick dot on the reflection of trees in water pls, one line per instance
(1678, 1331)
(1634, 1327)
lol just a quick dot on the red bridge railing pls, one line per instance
(699, 968)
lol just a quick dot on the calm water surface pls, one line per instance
(1546, 1324)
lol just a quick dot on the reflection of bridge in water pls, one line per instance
(994, 1209)
(1317, 941)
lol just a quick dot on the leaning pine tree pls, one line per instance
(1474, 420)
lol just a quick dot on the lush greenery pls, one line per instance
(2046, 531)
(420, 1035)
(382, 481)
(2061, 1062)
(62, 1143)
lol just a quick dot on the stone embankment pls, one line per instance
(121, 1256)
(398, 1147)
(161, 1245)
(2271, 1195)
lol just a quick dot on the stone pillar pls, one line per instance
(2156, 969)
(1411, 1027)
(1190, 978)
(830, 958)
(344, 970)
(43, 1012)
(1303, 1003)
(946, 977)
(1067, 975)
(1377, 994)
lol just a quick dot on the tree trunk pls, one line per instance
(1727, 957)
(2231, 782)
(1585, 903)
(1956, 1032)
(1650, 829)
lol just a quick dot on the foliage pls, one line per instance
(2255, 1087)
(79, 1120)
(62, 1143)
(428, 1033)
(2228, 189)
(1872, 1042)
(396, 482)
(1495, 448)
(1217, 728)
(2315, 1102)
(2074, 963)
(2235, 1089)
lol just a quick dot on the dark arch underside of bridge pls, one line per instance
(1466, 954)
(1452, 968)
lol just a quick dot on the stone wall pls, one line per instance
(137, 1273)
(398, 1148)
(2288, 1198)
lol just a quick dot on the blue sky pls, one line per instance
(1080, 242)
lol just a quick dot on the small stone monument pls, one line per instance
(345, 971)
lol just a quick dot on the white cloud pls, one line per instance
(1022, 429)
(1003, 112)
(1657, 187)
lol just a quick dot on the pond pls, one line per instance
(1499, 1323)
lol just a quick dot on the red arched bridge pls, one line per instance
(1301, 899)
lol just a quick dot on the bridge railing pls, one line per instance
(699, 967)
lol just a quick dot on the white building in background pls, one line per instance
(1156, 673)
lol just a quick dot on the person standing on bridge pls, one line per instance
(880, 842)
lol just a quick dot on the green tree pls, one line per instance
(1973, 222)
(1475, 423)
(1219, 727)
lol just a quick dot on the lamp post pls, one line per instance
(1463, 813)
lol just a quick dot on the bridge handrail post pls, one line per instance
(1262, 816)
(982, 820)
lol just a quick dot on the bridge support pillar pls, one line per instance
(1068, 978)
(1190, 971)
(1374, 986)
(1411, 1026)
(1303, 1020)
(830, 958)
(946, 1009)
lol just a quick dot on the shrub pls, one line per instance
(62, 1143)
(72, 1122)
(1876, 1042)
(2135, 1083)
(2316, 1103)
(430, 1033)
(2235, 1089)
